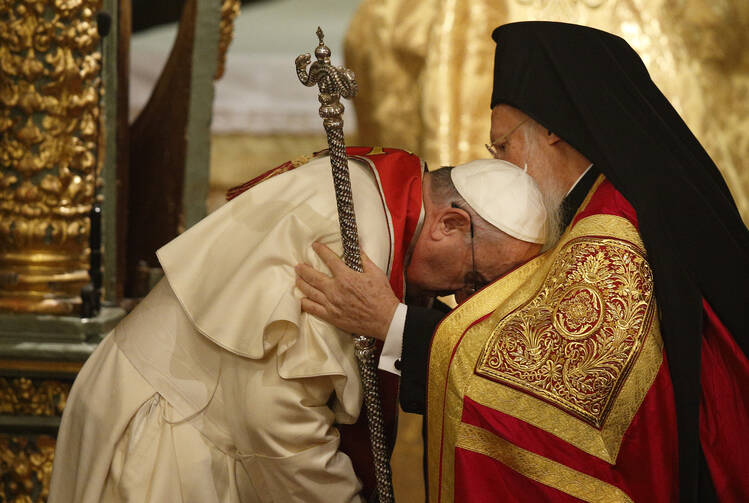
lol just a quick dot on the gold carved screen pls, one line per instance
(49, 128)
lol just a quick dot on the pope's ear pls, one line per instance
(451, 221)
(552, 138)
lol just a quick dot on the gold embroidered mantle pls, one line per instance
(574, 343)
(568, 343)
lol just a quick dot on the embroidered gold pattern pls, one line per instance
(574, 342)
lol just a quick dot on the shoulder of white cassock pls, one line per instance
(233, 272)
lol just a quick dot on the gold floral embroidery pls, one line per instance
(574, 343)
(462, 336)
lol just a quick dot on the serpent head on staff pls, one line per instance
(332, 80)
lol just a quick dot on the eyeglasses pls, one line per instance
(473, 277)
(496, 144)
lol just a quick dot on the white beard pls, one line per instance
(553, 193)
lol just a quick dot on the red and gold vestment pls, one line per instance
(552, 383)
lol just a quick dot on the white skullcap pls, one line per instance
(505, 196)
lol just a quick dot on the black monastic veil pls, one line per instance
(593, 90)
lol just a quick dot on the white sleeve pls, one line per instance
(393, 347)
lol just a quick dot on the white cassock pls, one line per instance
(217, 388)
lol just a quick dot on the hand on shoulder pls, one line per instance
(362, 303)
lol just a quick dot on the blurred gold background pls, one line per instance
(425, 71)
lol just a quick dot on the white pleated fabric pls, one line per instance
(216, 388)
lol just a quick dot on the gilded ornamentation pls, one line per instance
(49, 114)
(229, 12)
(25, 468)
(574, 343)
(460, 342)
(24, 396)
(579, 312)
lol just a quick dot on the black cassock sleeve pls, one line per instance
(417, 336)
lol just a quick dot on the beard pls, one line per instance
(553, 191)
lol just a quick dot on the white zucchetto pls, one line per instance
(505, 196)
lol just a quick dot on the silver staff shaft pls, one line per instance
(334, 83)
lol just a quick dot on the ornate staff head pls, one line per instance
(334, 82)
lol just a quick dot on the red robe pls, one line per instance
(552, 383)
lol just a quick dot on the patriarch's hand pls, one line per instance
(359, 303)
